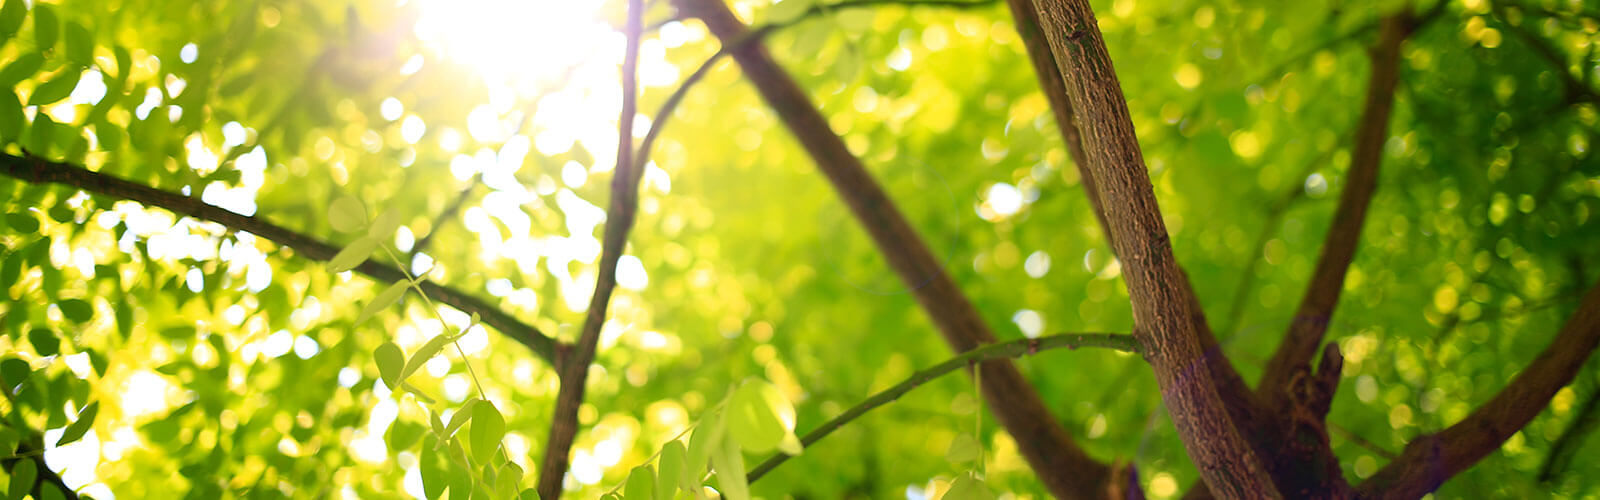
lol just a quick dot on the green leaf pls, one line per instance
(787, 10)
(425, 353)
(435, 473)
(528, 494)
(45, 26)
(390, 359)
(14, 371)
(968, 487)
(80, 44)
(347, 214)
(729, 464)
(23, 222)
(80, 426)
(44, 342)
(964, 404)
(384, 299)
(416, 393)
(790, 445)
(461, 416)
(855, 19)
(758, 416)
(11, 117)
(24, 67)
(641, 484)
(8, 440)
(23, 474)
(11, 17)
(488, 428)
(55, 89)
(76, 310)
(385, 225)
(670, 471)
(508, 480)
(707, 436)
(963, 449)
(99, 362)
(353, 255)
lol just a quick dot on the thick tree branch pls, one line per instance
(1013, 349)
(1310, 321)
(39, 171)
(1066, 469)
(1169, 321)
(619, 221)
(1431, 459)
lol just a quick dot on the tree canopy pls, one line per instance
(844, 248)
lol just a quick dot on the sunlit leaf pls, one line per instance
(347, 214)
(790, 445)
(641, 484)
(488, 428)
(80, 426)
(968, 487)
(729, 465)
(964, 404)
(508, 480)
(670, 470)
(383, 300)
(707, 437)
(390, 360)
(23, 67)
(384, 226)
(11, 17)
(964, 448)
(428, 350)
(758, 416)
(435, 471)
(352, 255)
(460, 416)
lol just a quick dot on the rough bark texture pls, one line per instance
(39, 171)
(1165, 310)
(1064, 468)
(620, 216)
(1431, 459)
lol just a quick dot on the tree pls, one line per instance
(301, 249)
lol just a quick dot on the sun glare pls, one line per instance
(520, 42)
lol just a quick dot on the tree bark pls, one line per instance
(1166, 313)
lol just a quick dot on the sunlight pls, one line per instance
(525, 42)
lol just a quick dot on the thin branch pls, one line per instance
(1362, 442)
(1310, 321)
(41, 171)
(1013, 349)
(1275, 215)
(619, 221)
(1065, 468)
(1431, 459)
(449, 212)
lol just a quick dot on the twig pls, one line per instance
(41, 171)
(1013, 349)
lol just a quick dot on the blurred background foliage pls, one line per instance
(225, 366)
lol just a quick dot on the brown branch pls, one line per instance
(620, 217)
(1168, 319)
(1066, 469)
(42, 171)
(1310, 321)
(1431, 459)
(1013, 349)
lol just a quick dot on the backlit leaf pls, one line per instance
(425, 353)
(461, 416)
(390, 360)
(80, 426)
(347, 214)
(758, 416)
(352, 255)
(963, 449)
(488, 427)
(641, 484)
(729, 465)
(670, 470)
(384, 299)
(968, 487)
